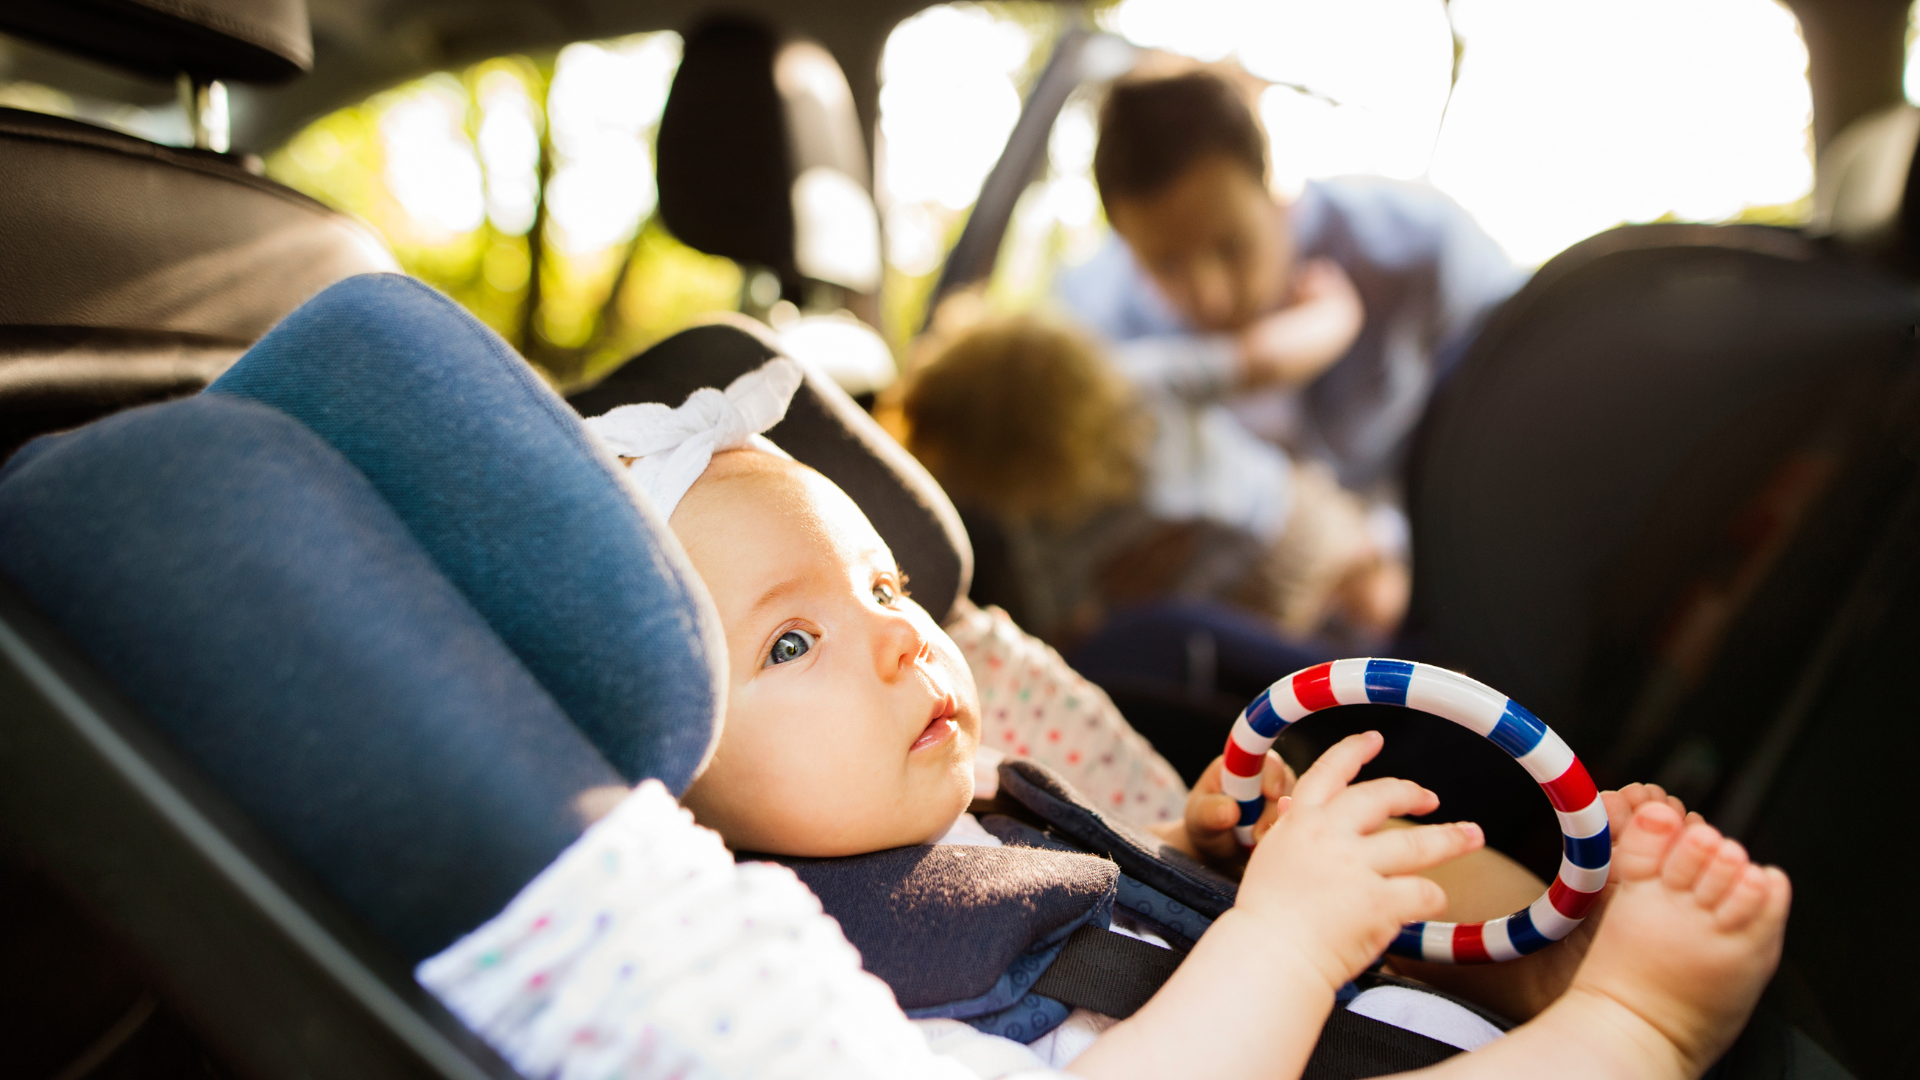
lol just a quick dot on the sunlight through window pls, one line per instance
(947, 102)
(605, 101)
(431, 167)
(1573, 117)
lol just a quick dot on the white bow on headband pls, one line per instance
(672, 447)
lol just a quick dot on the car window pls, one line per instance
(479, 176)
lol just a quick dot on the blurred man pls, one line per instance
(1324, 321)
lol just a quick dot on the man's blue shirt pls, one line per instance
(1426, 274)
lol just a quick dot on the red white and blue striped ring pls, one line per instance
(1477, 707)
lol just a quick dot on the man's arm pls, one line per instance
(1289, 347)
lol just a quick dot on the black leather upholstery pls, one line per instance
(131, 272)
(723, 169)
(260, 41)
(1582, 465)
(824, 429)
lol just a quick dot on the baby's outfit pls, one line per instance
(1032, 705)
(1425, 1014)
(644, 951)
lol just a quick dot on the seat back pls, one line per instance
(1591, 449)
(1665, 501)
(136, 272)
(141, 271)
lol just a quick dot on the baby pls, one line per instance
(852, 725)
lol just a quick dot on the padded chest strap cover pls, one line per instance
(1140, 855)
(977, 934)
(959, 931)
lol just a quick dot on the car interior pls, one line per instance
(1670, 497)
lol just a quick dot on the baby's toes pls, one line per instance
(1751, 894)
(1635, 795)
(1649, 832)
(1725, 868)
(1689, 856)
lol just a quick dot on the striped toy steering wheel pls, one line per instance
(1588, 848)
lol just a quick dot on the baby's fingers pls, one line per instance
(1410, 850)
(1365, 807)
(1271, 815)
(1336, 768)
(1210, 820)
(1411, 898)
(1276, 778)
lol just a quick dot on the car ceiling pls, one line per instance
(363, 46)
(1856, 50)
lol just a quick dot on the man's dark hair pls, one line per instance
(1152, 130)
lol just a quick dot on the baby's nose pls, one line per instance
(899, 645)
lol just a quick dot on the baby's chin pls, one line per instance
(860, 832)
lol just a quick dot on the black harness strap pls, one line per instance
(1107, 972)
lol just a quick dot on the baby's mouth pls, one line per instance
(941, 727)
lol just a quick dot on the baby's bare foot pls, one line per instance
(1691, 934)
(1523, 988)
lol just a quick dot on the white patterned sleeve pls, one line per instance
(645, 951)
(1033, 705)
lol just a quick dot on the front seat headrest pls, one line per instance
(761, 158)
(825, 430)
(1864, 188)
(255, 41)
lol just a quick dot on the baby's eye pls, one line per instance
(792, 645)
(884, 592)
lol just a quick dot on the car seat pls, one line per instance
(137, 272)
(1662, 500)
(269, 726)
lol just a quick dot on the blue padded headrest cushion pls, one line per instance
(498, 481)
(251, 593)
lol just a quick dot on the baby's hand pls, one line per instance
(1328, 876)
(1211, 814)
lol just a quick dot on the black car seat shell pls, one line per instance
(824, 429)
(1669, 500)
(1650, 378)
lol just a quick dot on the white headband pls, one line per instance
(672, 447)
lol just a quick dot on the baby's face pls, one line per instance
(852, 720)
